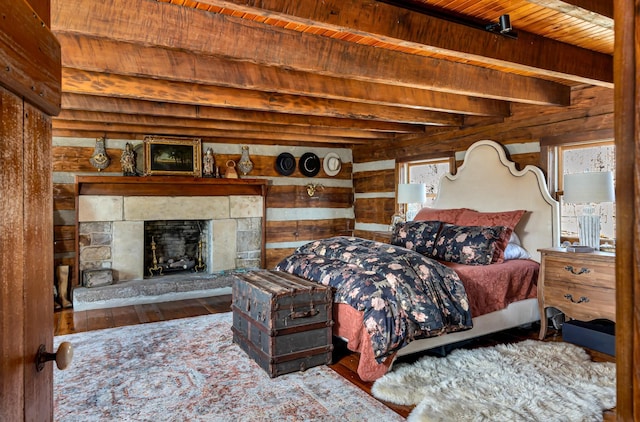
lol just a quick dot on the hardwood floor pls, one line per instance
(67, 321)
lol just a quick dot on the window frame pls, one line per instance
(557, 162)
(403, 170)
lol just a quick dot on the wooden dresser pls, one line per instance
(581, 285)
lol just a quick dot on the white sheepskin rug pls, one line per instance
(527, 381)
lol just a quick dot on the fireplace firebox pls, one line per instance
(175, 246)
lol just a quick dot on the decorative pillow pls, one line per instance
(470, 245)
(515, 239)
(416, 235)
(445, 215)
(507, 219)
(501, 218)
(514, 251)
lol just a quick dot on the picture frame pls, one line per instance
(168, 156)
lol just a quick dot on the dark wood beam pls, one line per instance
(397, 26)
(209, 124)
(229, 136)
(95, 54)
(597, 12)
(154, 108)
(92, 83)
(161, 24)
(30, 57)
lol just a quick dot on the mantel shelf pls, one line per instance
(168, 186)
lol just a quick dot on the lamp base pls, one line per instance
(396, 219)
(589, 230)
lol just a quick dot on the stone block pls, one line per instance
(244, 206)
(99, 208)
(95, 253)
(97, 278)
(147, 208)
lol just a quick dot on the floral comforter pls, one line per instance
(403, 294)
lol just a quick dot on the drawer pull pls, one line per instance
(582, 299)
(582, 270)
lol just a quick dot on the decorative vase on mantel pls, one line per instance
(245, 165)
(100, 159)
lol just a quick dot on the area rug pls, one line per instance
(189, 370)
(526, 381)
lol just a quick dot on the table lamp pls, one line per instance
(411, 193)
(589, 188)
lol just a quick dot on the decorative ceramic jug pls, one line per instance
(245, 165)
(231, 172)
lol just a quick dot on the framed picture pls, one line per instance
(172, 156)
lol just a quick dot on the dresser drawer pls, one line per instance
(580, 301)
(579, 271)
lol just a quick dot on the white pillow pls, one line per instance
(515, 239)
(514, 251)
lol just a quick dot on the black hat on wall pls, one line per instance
(309, 164)
(285, 164)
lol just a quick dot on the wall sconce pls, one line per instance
(502, 27)
(313, 188)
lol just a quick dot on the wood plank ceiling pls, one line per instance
(308, 72)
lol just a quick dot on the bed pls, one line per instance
(465, 288)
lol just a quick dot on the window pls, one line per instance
(428, 172)
(578, 159)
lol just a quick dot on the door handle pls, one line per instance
(63, 356)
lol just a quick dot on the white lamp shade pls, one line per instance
(411, 193)
(590, 187)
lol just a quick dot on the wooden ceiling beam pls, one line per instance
(64, 133)
(139, 120)
(153, 108)
(399, 27)
(94, 54)
(161, 24)
(231, 136)
(30, 57)
(597, 12)
(92, 83)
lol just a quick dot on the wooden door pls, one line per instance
(26, 259)
(627, 133)
(29, 94)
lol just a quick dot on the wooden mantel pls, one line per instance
(168, 186)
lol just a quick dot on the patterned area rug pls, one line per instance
(526, 381)
(189, 369)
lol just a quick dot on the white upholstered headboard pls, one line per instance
(488, 181)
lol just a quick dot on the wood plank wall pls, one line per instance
(527, 134)
(293, 218)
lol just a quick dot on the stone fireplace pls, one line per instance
(112, 213)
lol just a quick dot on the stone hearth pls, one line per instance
(164, 289)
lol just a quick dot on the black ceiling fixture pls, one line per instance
(502, 27)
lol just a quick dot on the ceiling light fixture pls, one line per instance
(502, 27)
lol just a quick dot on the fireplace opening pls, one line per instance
(175, 246)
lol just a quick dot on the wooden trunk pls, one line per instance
(281, 321)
